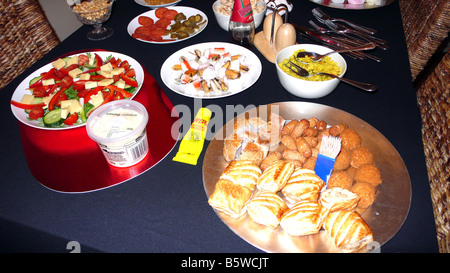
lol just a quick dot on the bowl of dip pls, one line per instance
(119, 128)
(310, 87)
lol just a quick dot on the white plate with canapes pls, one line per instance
(211, 70)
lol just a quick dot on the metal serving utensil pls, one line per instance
(320, 15)
(317, 57)
(304, 73)
(341, 29)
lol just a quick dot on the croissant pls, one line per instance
(348, 230)
(338, 199)
(274, 178)
(234, 188)
(266, 208)
(304, 218)
(303, 184)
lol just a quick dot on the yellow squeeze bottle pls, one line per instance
(191, 145)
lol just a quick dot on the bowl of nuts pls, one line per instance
(94, 12)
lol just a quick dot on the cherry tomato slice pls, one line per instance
(170, 14)
(159, 12)
(66, 82)
(40, 91)
(36, 112)
(145, 21)
(71, 119)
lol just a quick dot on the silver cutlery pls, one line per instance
(317, 57)
(320, 15)
(304, 73)
(341, 29)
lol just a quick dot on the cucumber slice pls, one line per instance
(53, 118)
(36, 100)
(34, 80)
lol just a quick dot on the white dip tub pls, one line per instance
(119, 129)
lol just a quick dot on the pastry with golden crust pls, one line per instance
(338, 199)
(303, 185)
(267, 208)
(304, 218)
(234, 188)
(348, 229)
(275, 176)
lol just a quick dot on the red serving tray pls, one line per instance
(70, 161)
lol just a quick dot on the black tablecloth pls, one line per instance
(165, 209)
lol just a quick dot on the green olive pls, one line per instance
(179, 17)
(182, 35)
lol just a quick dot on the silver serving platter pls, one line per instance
(346, 5)
(386, 215)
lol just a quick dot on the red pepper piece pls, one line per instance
(113, 88)
(51, 104)
(26, 106)
(128, 80)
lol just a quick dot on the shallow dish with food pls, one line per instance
(208, 67)
(23, 88)
(224, 19)
(157, 4)
(166, 39)
(306, 88)
(385, 216)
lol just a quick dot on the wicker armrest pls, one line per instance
(426, 24)
(25, 36)
(433, 100)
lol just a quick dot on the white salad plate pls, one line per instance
(22, 88)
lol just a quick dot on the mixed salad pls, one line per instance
(66, 94)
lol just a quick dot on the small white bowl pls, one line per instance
(303, 88)
(224, 20)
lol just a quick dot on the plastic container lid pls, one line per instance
(97, 114)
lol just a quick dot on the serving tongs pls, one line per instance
(322, 17)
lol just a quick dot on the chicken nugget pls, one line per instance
(321, 125)
(310, 163)
(340, 179)
(350, 139)
(313, 122)
(351, 171)
(368, 173)
(310, 132)
(360, 156)
(342, 160)
(312, 141)
(292, 155)
(336, 130)
(299, 128)
(288, 142)
(287, 129)
(366, 192)
(303, 147)
(271, 158)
